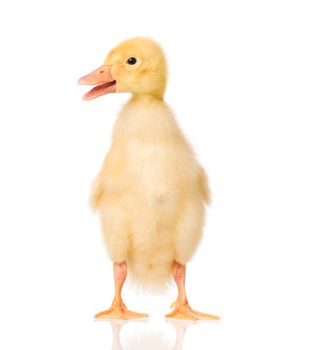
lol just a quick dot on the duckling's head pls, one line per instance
(136, 65)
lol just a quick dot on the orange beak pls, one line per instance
(102, 78)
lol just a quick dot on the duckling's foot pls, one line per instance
(185, 312)
(181, 308)
(119, 311)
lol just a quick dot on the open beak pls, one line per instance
(102, 78)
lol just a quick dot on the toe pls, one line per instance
(185, 312)
(132, 314)
(120, 313)
(204, 316)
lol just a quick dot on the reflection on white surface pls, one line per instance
(143, 335)
(180, 329)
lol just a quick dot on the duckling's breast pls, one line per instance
(150, 159)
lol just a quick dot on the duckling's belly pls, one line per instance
(144, 202)
(139, 227)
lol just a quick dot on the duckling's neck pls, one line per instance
(145, 98)
(141, 116)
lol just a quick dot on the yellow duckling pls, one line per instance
(151, 191)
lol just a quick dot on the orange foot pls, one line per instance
(120, 312)
(185, 312)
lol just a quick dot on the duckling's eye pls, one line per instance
(131, 60)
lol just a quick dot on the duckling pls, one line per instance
(151, 191)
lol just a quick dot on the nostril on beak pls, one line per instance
(101, 71)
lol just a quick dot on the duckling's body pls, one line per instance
(150, 193)
(151, 190)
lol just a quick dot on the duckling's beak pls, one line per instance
(102, 78)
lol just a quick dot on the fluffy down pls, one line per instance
(150, 193)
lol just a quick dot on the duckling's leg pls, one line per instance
(182, 310)
(118, 310)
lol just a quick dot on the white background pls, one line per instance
(239, 83)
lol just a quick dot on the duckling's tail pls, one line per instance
(151, 277)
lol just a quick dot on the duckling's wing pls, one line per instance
(203, 185)
(97, 191)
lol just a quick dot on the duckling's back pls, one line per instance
(150, 193)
